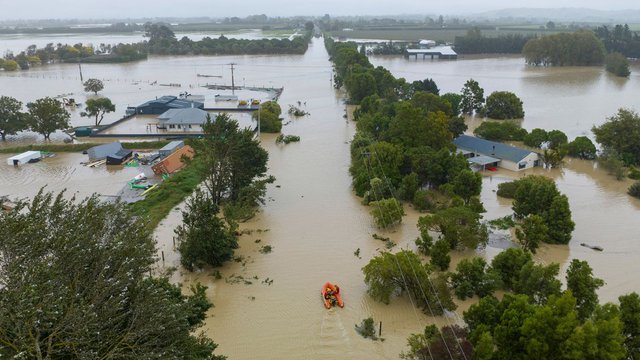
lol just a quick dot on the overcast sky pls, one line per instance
(49, 9)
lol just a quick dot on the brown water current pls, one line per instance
(268, 306)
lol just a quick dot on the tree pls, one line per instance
(612, 161)
(558, 220)
(581, 48)
(47, 115)
(634, 189)
(426, 85)
(536, 138)
(467, 184)
(455, 101)
(459, 226)
(617, 64)
(582, 147)
(76, 284)
(472, 278)
(97, 108)
(448, 343)
(500, 131)
(552, 158)
(534, 195)
(583, 286)
(232, 158)
(440, 255)
(12, 119)
(93, 85)
(472, 97)
(630, 317)
(359, 85)
(388, 273)
(621, 133)
(457, 126)
(504, 105)
(538, 282)
(508, 264)
(532, 232)
(557, 139)
(203, 238)
(386, 212)
(10, 65)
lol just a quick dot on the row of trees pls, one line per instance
(499, 105)
(565, 49)
(620, 39)
(44, 116)
(476, 43)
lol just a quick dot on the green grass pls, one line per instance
(171, 192)
(140, 145)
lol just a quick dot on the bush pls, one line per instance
(508, 189)
(440, 255)
(500, 131)
(634, 190)
(285, 139)
(536, 138)
(387, 212)
(617, 64)
(582, 147)
(367, 329)
(422, 200)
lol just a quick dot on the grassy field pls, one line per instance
(141, 145)
(227, 27)
(170, 193)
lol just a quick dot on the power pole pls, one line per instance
(233, 84)
(80, 68)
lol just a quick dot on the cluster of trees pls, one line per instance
(475, 43)
(499, 105)
(269, 116)
(234, 168)
(621, 133)
(44, 116)
(542, 212)
(162, 41)
(580, 48)
(76, 283)
(617, 64)
(620, 39)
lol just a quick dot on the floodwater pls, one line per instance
(268, 306)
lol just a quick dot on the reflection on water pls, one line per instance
(314, 222)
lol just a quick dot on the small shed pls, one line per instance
(119, 157)
(170, 148)
(173, 162)
(24, 158)
(101, 152)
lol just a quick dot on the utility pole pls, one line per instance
(80, 68)
(233, 84)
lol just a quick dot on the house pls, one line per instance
(484, 153)
(183, 120)
(170, 148)
(173, 162)
(24, 158)
(101, 152)
(162, 104)
(426, 44)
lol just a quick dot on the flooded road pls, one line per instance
(268, 306)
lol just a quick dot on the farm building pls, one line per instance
(118, 158)
(183, 120)
(173, 162)
(162, 104)
(24, 158)
(442, 52)
(484, 153)
(101, 152)
(170, 148)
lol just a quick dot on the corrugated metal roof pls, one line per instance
(442, 50)
(483, 160)
(184, 116)
(102, 151)
(491, 148)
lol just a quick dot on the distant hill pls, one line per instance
(563, 14)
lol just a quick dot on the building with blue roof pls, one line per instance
(484, 153)
(164, 103)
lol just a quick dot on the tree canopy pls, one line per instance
(621, 133)
(93, 85)
(12, 119)
(581, 48)
(75, 284)
(46, 116)
(504, 105)
(97, 108)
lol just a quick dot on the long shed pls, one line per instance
(24, 158)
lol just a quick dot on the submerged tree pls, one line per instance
(46, 116)
(203, 238)
(12, 119)
(472, 97)
(93, 85)
(97, 108)
(75, 284)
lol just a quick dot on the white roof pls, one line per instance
(442, 50)
(25, 155)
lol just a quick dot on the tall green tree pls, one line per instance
(504, 105)
(93, 85)
(582, 147)
(467, 184)
(232, 158)
(440, 258)
(97, 108)
(46, 116)
(621, 133)
(538, 282)
(203, 238)
(473, 278)
(630, 317)
(536, 138)
(508, 263)
(76, 284)
(459, 226)
(472, 97)
(387, 273)
(386, 212)
(558, 220)
(12, 119)
(532, 232)
(583, 286)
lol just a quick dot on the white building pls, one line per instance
(183, 120)
(484, 153)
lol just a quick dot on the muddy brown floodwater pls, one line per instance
(268, 306)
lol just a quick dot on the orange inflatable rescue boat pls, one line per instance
(331, 295)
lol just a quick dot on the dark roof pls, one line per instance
(172, 102)
(491, 148)
(184, 116)
(102, 151)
